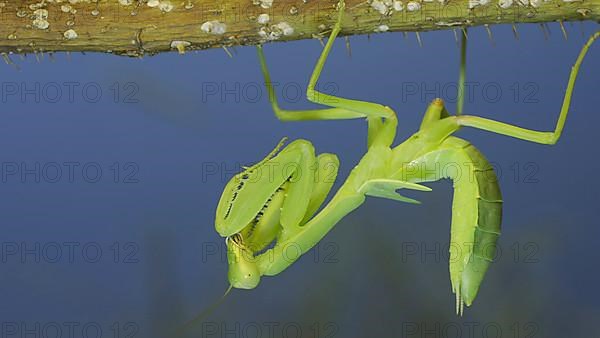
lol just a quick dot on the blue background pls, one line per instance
(179, 122)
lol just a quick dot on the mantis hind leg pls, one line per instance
(462, 74)
(273, 202)
(382, 120)
(528, 134)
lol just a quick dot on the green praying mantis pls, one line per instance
(272, 205)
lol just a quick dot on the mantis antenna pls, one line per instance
(202, 315)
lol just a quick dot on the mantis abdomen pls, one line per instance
(484, 215)
(476, 210)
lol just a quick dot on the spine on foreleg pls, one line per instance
(476, 218)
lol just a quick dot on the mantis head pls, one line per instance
(248, 216)
(243, 270)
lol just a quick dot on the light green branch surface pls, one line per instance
(138, 27)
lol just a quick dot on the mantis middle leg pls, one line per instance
(382, 119)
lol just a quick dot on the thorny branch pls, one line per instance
(139, 27)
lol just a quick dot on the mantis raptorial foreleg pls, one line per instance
(270, 201)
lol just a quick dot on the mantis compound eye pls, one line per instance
(243, 269)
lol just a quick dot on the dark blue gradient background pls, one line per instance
(367, 279)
